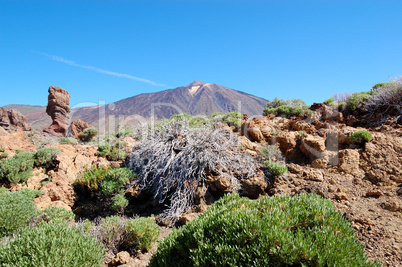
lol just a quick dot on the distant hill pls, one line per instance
(195, 98)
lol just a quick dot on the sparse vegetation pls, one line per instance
(118, 233)
(88, 134)
(46, 157)
(293, 107)
(386, 98)
(276, 168)
(303, 230)
(112, 153)
(2, 149)
(3, 156)
(272, 153)
(357, 99)
(360, 137)
(67, 140)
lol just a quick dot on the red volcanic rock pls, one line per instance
(58, 108)
(13, 120)
(77, 127)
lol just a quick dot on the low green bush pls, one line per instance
(46, 157)
(233, 119)
(103, 149)
(330, 101)
(142, 232)
(357, 99)
(112, 153)
(18, 168)
(88, 134)
(2, 149)
(360, 137)
(118, 233)
(67, 140)
(52, 245)
(57, 215)
(272, 152)
(115, 179)
(3, 155)
(304, 230)
(276, 168)
(116, 154)
(119, 202)
(16, 209)
(294, 107)
(90, 179)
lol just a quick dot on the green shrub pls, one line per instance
(215, 114)
(272, 152)
(67, 140)
(18, 168)
(330, 101)
(52, 245)
(90, 179)
(2, 149)
(361, 137)
(386, 99)
(304, 230)
(88, 134)
(57, 215)
(294, 107)
(46, 157)
(115, 179)
(16, 209)
(357, 99)
(276, 168)
(116, 154)
(3, 155)
(233, 119)
(141, 232)
(103, 149)
(118, 233)
(124, 133)
(119, 202)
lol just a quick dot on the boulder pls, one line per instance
(13, 120)
(121, 258)
(77, 127)
(254, 134)
(58, 109)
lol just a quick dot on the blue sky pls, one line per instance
(110, 50)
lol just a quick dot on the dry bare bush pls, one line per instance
(174, 159)
(386, 99)
(341, 97)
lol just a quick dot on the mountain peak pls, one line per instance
(196, 83)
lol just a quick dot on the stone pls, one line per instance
(122, 257)
(58, 109)
(222, 183)
(77, 127)
(254, 134)
(374, 193)
(253, 187)
(13, 120)
(349, 160)
(391, 205)
(315, 175)
(341, 196)
(319, 163)
(188, 217)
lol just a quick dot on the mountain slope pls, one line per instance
(195, 98)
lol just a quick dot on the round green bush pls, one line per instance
(16, 209)
(52, 245)
(276, 168)
(18, 168)
(361, 137)
(303, 230)
(46, 157)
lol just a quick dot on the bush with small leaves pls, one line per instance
(18, 168)
(119, 202)
(116, 154)
(88, 134)
(360, 137)
(52, 245)
(294, 107)
(46, 157)
(272, 152)
(386, 99)
(16, 209)
(57, 215)
(118, 233)
(103, 149)
(330, 101)
(303, 230)
(115, 179)
(357, 99)
(3, 155)
(2, 149)
(90, 179)
(141, 232)
(276, 168)
(67, 141)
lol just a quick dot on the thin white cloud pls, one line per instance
(128, 76)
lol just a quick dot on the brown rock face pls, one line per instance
(13, 120)
(77, 127)
(58, 108)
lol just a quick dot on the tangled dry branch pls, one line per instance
(174, 159)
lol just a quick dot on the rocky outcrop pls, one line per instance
(16, 141)
(13, 120)
(58, 109)
(77, 127)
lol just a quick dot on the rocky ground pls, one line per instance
(363, 181)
